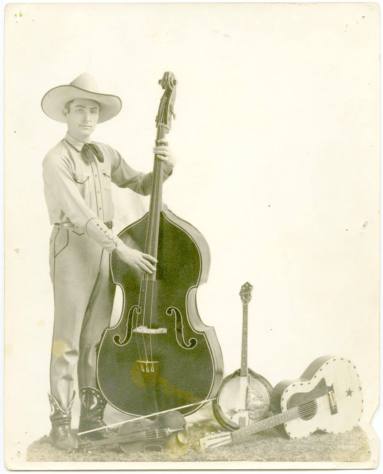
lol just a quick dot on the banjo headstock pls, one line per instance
(245, 292)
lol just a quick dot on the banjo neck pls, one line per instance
(245, 295)
(244, 372)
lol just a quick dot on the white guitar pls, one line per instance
(327, 397)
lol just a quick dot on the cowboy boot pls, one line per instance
(61, 434)
(92, 412)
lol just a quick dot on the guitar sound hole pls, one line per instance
(307, 410)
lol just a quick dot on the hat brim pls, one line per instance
(54, 101)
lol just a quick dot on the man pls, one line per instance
(77, 179)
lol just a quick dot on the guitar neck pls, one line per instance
(266, 424)
(244, 368)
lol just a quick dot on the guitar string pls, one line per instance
(306, 410)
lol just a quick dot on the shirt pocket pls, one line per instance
(82, 181)
(80, 178)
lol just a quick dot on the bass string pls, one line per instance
(156, 224)
(147, 291)
(144, 312)
(150, 319)
(140, 323)
(148, 246)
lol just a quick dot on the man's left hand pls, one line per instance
(163, 152)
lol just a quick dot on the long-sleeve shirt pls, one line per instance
(78, 193)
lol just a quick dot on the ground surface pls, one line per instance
(268, 446)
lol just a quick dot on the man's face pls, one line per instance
(82, 117)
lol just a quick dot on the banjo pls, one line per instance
(244, 395)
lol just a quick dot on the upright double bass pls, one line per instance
(160, 355)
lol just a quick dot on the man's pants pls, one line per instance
(83, 299)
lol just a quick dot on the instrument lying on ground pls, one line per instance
(244, 396)
(128, 437)
(327, 397)
(160, 355)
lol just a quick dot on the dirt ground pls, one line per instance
(268, 446)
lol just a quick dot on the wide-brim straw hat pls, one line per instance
(83, 87)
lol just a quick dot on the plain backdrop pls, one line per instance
(276, 139)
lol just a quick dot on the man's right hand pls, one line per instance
(136, 259)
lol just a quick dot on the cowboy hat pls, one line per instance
(83, 87)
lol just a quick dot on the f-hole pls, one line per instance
(179, 330)
(134, 311)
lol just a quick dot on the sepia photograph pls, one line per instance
(192, 226)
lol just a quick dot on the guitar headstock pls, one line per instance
(245, 292)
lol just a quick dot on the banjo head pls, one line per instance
(226, 406)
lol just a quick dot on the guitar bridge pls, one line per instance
(332, 400)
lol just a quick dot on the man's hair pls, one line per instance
(68, 104)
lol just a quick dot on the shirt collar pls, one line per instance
(74, 142)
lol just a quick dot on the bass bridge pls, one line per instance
(149, 331)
